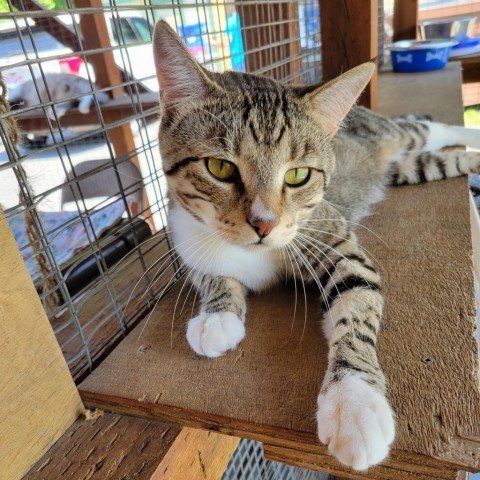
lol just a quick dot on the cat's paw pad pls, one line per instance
(212, 334)
(356, 422)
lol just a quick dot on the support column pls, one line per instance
(349, 32)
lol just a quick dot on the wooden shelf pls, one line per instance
(121, 107)
(267, 388)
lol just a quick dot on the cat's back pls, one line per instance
(363, 151)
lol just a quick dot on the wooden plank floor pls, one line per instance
(267, 388)
(114, 447)
(109, 447)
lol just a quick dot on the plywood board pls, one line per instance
(267, 388)
(38, 399)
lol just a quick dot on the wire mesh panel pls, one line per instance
(249, 462)
(83, 191)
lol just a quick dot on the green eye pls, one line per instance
(221, 169)
(297, 176)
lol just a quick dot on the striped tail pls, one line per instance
(420, 167)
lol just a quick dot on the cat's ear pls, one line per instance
(331, 102)
(179, 75)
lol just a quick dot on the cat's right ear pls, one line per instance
(179, 75)
(331, 102)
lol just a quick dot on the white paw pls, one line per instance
(356, 422)
(212, 334)
(84, 108)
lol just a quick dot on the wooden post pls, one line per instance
(405, 19)
(349, 32)
(107, 74)
(196, 455)
(280, 61)
(95, 35)
(38, 398)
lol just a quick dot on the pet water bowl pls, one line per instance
(420, 55)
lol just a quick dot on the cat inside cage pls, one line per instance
(263, 213)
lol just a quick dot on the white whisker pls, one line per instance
(209, 251)
(315, 240)
(295, 284)
(304, 289)
(317, 280)
(346, 240)
(178, 256)
(169, 283)
(317, 220)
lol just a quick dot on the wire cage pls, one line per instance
(83, 190)
(81, 182)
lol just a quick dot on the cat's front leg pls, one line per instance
(220, 325)
(354, 417)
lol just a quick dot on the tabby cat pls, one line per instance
(264, 177)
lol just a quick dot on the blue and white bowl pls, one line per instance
(420, 55)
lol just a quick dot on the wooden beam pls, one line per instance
(471, 69)
(196, 455)
(349, 32)
(95, 34)
(123, 107)
(107, 447)
(453, 10)
(38, 398)
(52, 25)
(405, 19)
(107, 74)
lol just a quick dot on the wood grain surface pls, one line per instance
(38, 399)
(111, 447)
(196, 455)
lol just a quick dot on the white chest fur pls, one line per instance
(206, 252)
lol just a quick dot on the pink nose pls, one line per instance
(262, 228)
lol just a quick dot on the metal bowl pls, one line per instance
(458, 28)
(403, 45)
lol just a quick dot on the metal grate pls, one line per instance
(248, 462)
(84, 193)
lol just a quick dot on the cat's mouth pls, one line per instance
(258, 244)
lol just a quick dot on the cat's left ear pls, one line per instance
(331, 102)
(180, 77)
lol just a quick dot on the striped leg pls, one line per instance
(354, 417)
(421, 167)
(220, 325)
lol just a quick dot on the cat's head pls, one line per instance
(247, 156)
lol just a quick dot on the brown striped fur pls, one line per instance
(265, 128)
